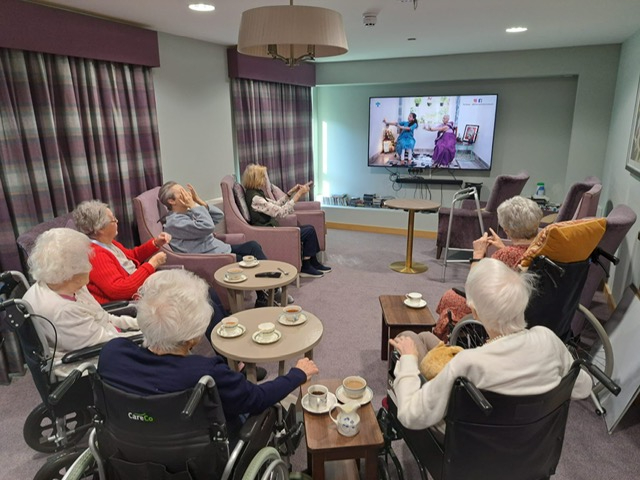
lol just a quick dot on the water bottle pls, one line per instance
(540, 189)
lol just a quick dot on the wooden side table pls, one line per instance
(397, 317)
(324, 443)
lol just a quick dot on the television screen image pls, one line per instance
(454, 131)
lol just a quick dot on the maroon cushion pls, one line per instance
(238, 193)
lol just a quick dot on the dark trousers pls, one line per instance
(248, 248)
(218, 312)
(309, 240)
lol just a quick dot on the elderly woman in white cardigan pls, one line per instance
(60, 265)
(514, 361)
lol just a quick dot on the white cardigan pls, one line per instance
(526, 363)
(79, 323)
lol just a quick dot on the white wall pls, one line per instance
(554, 110)
(619, 184)
(194, 113)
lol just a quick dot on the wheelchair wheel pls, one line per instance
(267, 463)
(57, 466)
(593, 345)
(40, 430)
(468, 333)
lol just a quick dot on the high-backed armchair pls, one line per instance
(465, 227)
(619, 222)
(282, 243)
(148, 213)
(573, 201)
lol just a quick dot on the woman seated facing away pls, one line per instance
(173, 313)
(514, 361)
(60, 265)
(117, 271)
(264, 213)
(519, 217)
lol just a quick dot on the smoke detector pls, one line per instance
(369, 19)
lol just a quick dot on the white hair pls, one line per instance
(520, 217)
(173, 308)
(58, 255)
(91, 216)
(499, 295)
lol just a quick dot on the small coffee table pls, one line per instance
(397, 317)
(296, 340)
(235, 291)
(324, 443)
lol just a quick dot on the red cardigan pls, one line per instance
(108, 281)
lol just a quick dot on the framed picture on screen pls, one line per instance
(470, 133)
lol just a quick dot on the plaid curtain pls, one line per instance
(273, 128)
(72, 129)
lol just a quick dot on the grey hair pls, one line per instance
(499, 295)
(173, 309)
(166, 193)
(58, 255)
(520, 217)
(91, 216)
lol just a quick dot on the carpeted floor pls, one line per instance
(346, 300)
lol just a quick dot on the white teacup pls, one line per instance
(317, 395)
(292, 313)
(249, 259)
(229, 324)
(266, 328)
(233, 274)
(414, 298)
(354, 386)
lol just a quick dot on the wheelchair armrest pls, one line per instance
(476, 395)
(253, 425)
(93, 350)
(117, 305)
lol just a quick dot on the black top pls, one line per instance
(258, 219)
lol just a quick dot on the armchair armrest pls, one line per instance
(308, 205)
(289, 221)
(231, 238)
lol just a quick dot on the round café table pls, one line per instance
(235, 291)
(412, 206)
(295, 340)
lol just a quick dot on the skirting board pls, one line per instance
(375, 229)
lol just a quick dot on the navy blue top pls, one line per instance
(134, 369)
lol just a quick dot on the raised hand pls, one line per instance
(308, 367)
(162, 239)
(480, 246)
(495, 240)
(404, 345)
(195, 196)
(158, 259)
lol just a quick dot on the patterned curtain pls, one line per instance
(273, 128)
(72, 129)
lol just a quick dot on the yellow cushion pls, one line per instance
(566, 242)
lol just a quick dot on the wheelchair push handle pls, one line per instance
(196, 396)
(476, 395)
(603, 378)
(68, 382)
(599, 252)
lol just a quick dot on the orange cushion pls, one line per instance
(566, 242)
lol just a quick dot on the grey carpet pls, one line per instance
(346, 300)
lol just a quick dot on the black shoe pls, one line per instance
(318, 266)
(309, 271)
(261, 302)
(261, 373)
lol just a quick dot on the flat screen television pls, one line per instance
(415, 131)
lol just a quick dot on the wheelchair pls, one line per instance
(488, 435)
(178, 436)
(49, 428)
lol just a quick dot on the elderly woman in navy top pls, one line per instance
(173, 313)
(514, 361)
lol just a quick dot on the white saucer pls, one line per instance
(241, 278)
(244, 264)
(331, 402)
(236, 332)
(301, 319)
(423, 304)
(364, 399)
(266, 339)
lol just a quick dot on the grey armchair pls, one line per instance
(465, 227)
(149, 212)
(581, 201)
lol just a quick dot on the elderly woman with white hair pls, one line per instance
(59, 262)
(514, 361)
(519, 217)
(117, 271)
(173, 313)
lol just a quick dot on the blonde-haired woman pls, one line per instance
(265, 212)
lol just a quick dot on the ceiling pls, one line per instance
(439, 27)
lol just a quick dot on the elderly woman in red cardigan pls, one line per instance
(117, 271)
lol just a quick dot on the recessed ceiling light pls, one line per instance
(516, 29)
(202, 7)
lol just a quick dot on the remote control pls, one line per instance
(269, 275)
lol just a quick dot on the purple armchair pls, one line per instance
(282, 243)
(581, 200)
(619, 222)
(465, 227)
(27, 240)
(148, 213)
